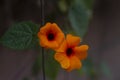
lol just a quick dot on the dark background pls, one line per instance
(103, 36)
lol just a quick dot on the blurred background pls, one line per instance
(95, 21)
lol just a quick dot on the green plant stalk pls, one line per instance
(42, 22)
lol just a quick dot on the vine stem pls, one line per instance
(42, 23)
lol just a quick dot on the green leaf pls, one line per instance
(79, 18)
(52, 67)
(21, 36)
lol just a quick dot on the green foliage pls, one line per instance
(88, 69)
(52, 67)
(79, 18)
(105, 69)
(62, 5)
(21, 36)
(36, 66)
(88, 4)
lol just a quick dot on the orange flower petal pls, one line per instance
(62, 47)
(43, 39)
(44, 29)
(62, 59)
(72, 40)
(59, 38)
(75, 63)
(81, 51)
(52, 45)
(56, 28)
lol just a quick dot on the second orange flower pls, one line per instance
(69, 53)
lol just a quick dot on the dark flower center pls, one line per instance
(50, 36)
(69, 51)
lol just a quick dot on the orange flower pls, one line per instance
(69, 53)
(50, 36)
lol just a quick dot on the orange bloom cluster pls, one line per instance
(68, 52)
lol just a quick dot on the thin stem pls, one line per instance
(42, 23)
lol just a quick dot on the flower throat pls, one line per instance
(69, 51)
(50, 36)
